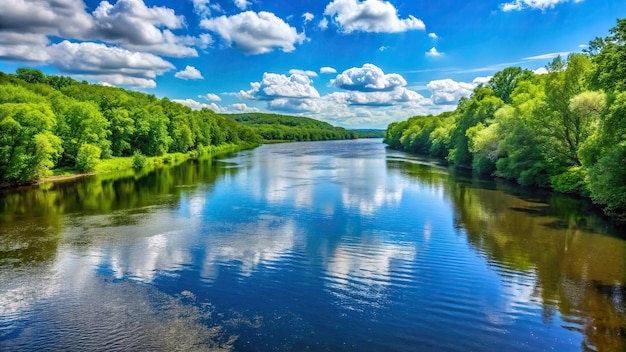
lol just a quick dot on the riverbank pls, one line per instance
(126, 163)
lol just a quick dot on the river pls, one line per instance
(321, 246)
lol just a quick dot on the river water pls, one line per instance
(321, 246)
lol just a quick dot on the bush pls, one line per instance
(88, 157)
(139, 160)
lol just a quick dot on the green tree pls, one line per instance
(30, 75)
(82, 123)
(28, 148)
(88, 157)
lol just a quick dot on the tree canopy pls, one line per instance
(565, 129)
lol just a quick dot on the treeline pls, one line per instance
(273, 127)
(565, 129)
(51, 121)
(369, 133)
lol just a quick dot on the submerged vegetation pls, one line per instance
(565, 129)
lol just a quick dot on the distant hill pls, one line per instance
(274, 127)
(369, 133)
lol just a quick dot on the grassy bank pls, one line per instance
(129, 164)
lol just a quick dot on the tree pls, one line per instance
(503, 83)
(82, 123)
(30, 75)
(479, 108)
(563, 128)
(609, 55)
(28, 148)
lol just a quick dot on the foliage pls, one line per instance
(139, 160)
(88, 157)
(565, 129)
(49, 122)
(274, 127)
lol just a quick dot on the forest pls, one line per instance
(564, 130)
(49, 121)
(273, 127)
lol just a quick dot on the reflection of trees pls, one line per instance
(580, 269)
(31, 218)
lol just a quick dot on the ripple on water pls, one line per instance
(122, 316)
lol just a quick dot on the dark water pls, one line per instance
(322, 246)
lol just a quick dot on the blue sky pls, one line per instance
(353, 63)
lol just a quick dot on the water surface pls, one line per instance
(323, 246)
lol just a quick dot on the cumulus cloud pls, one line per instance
(129, 23)
(433, 52)
(532, 4)
(540, 71)
(255, 33)
(210, 97)
(323, 24)
(189, 72)
(327, 69)
(240, 107)
(368, 78)
(399, 95)
(242, 4)
(109, 64)
(139, 27)
(63, 18)
(274, 86)
(133, 22)
(370, 16)
(447, 91)
(433, 35)
(308, 17)
(196, 105)
(303, 72)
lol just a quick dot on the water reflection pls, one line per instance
(579, 272)
(348, 240)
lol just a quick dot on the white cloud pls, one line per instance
(293, 105)
(201, 7)
(139, 27)
(133, 22)
(433, 52)
(308, 17)
(390, 98)
(64, 18)
(447, 91)
(189, 72)
(274, 86)
(327, 69)
(541, 71)
(303, 72)
(532, 4)
(210, 97)
(119, 80)
(173, 46)
(370, 16)
(255, 33)
(239, 107)
(242, 4)
(368, 78)
(196, 105)
(432, 35)
(108, 63)
(129, 23)
(547, 56)
(323, 24)
(382, 48)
